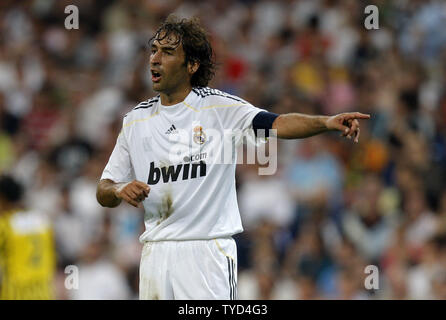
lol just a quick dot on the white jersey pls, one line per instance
(192, 195)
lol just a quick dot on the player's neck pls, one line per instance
(169, 99)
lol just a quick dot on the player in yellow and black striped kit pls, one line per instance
(27, 253)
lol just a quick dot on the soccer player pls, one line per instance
(190, 205)
(27, 251)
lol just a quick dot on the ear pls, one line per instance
(192, 67)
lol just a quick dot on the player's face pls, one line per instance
(167, 65)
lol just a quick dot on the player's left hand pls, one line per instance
(347, 123)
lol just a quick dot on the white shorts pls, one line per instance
(189, 270)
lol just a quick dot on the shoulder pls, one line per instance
(215, 96)
(5, 216)
(143, 106)
(30, 221)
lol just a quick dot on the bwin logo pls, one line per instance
(171, 173)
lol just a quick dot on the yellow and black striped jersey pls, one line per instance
(27, 256)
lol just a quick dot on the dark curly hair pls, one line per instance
(196, 46)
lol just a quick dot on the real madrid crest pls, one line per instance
(199, 135)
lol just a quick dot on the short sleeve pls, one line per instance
(119, 167)
(239, 118)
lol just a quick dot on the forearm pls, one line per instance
(297, 125)
(106, 193)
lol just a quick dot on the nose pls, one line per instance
(155, 58)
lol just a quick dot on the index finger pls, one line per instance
(357, 115)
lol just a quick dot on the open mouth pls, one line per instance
(156, 76)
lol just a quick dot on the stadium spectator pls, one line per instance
(382, 201)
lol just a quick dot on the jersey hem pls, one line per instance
(192, 239)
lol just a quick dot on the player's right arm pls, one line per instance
(110, 194)
(113, 186)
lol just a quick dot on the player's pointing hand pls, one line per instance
(133, 192)
(347, 123)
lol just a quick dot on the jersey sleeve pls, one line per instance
(239, 118)
(119, 167)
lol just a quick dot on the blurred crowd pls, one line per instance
(332, 208)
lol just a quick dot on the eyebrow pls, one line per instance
(165, 48)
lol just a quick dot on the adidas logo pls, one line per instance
(172, 129)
